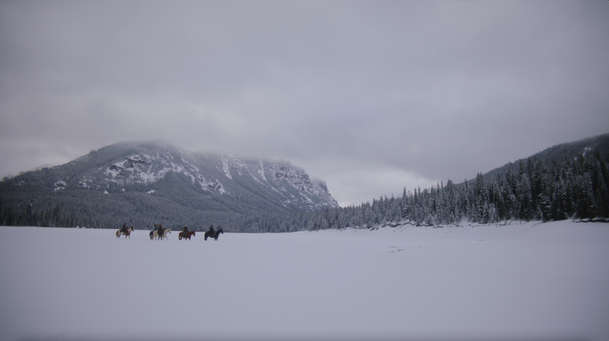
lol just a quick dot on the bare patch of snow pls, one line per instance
(260, 171)
(587, 149)
(59, 185)
(226, 168)
(85, 182)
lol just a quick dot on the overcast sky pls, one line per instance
(369, 96)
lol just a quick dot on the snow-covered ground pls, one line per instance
(541, 281)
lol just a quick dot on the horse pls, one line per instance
(159, 232)
(124, 231)
(164, 232)
(186, 235)
(213, 234)
(154, 234)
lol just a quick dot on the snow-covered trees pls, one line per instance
(531, 189)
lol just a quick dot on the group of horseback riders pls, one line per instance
(160, 232)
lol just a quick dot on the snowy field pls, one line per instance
(523, 281)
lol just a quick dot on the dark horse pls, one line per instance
(213, 233)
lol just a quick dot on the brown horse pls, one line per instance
(186, 235)
(126, 231)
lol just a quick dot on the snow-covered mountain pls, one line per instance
(162, 183)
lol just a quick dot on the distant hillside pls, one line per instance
(147, 183)
(560, 154)
(569, 180)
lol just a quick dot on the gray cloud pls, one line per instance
(370, 96)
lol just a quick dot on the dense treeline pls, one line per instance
(72, 211)
(532, 189)
(27, 216)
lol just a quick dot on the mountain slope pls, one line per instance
(591, 146)
(146, 183)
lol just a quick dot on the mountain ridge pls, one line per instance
(144, 175)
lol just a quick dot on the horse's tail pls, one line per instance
(118, 233)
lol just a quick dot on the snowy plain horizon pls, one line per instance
(541, 281)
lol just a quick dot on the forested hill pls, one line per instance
(569, 180)
(560, 153)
